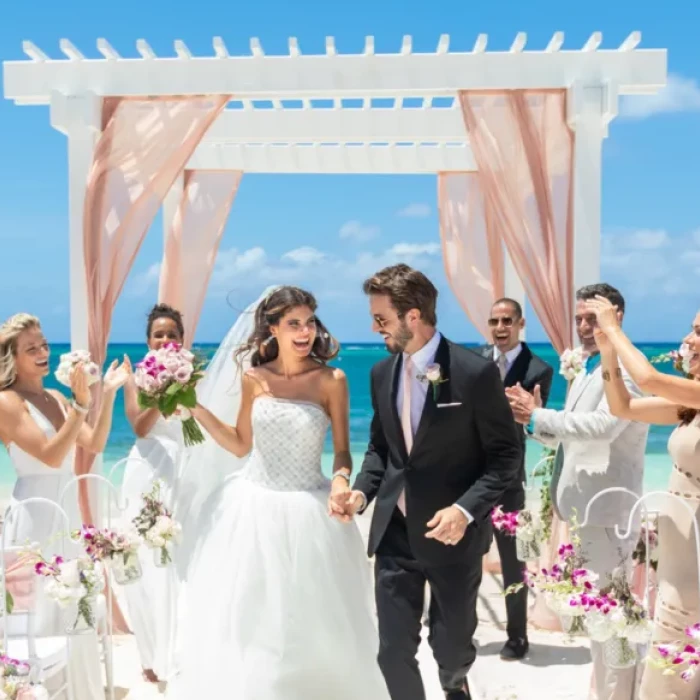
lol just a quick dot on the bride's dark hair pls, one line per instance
(262, 345)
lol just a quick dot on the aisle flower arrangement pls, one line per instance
(118, 548)
(524, 527)
(14, 677)
(568, 587)
(628, 628)
(75, 585)
(166, 379)
(649, 533)
(156, 526)
(681, 658)
(545, 471)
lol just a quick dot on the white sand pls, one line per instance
(568, 663)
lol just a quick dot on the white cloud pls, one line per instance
(680, 95)
(305, 255)
(649, 263)
(358, 231)
(416, 210)
(142, 283)
(413, 250)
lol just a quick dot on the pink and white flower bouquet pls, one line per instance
(682, 657)
(680, 359)
(75, 585)
(566, 587)
(626, 627)
(70, 360)
(156, 526)
(14, 677)
(119, 548)
(166, 379)
(524, 527)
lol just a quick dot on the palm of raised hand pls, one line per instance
(117, 376)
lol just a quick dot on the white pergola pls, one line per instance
(338, 113)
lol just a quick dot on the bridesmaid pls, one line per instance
(675, 401)
(40, 429)
(156, 455)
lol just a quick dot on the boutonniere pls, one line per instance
(433, 375)
(572, 363)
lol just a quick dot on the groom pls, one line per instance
(443, 447)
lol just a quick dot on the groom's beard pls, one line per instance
(397, 342)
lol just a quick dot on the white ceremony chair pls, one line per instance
(47, 657)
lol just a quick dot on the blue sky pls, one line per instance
(651, 184)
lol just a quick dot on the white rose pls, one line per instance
(69, 573)
(433, 373)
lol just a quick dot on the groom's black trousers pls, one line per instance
(400, 589)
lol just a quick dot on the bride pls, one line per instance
(278, 592)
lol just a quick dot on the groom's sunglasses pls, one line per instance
(507, 321)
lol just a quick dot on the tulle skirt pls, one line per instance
(279, 603)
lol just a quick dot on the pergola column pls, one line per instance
(79, 118)
(590, 110)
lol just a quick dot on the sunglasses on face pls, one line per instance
(507, 321)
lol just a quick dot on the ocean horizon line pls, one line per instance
(367, 343)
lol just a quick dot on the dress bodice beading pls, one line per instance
(288, 438)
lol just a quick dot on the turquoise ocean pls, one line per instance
(356, 360)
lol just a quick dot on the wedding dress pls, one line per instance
(150, 601)
(41, 524)
(279, 595)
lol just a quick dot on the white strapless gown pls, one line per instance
(39, 523)
(279, 600)
(150, 601)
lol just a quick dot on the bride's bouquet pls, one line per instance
(70, 360)
(166, 379)
(155, 524)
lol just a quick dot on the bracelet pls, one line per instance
(78, 408)
(343, 475)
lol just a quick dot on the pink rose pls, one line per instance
(183, 374)
(433, 373)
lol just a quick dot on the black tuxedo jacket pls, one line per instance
(466, 450)
(528, 369)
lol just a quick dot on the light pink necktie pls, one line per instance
(406, 418)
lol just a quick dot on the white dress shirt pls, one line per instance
(511, 355)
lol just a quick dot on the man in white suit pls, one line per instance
(595, 451)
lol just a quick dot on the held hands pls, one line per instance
(448, 526)
(116, 376)
(523, 403)
(343, 502)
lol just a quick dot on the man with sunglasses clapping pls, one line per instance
(517, 364)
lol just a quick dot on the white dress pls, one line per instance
(36, 523)
(150, 601)
(280, 601)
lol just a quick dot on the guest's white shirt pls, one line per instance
(511, 355)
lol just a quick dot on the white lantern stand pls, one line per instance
(107, 638)
(33, 657)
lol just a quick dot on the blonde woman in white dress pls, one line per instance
(40, 429)
(156, 455)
